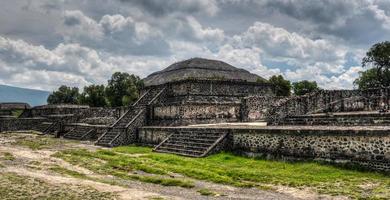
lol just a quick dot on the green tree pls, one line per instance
(123, 89)
(282, 86)
(94, 96)
(377, 57)
(64, 95)
(304, 87)
(367, 79)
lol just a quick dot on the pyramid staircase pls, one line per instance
(191, 143)
(42, 127)
(80, 133)
(129, 122)
(52, 129)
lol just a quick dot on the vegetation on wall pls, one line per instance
(94, 96)
(122, 90)
(304, 87)
(377, 59)
(64, 95)
(282, 86)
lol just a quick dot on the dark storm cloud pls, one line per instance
(71, 21)
(162, 8)
(84, 41)
(325, 11)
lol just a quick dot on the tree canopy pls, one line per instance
(378, 60)
(304, 87)
(94, 96)
(122, 90)
(282, 86)
(64, 95)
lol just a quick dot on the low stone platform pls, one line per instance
(367, 146)
(366, 118)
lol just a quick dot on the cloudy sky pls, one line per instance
(46, 43)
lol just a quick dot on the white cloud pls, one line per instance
(283, 45)
(24, 64)
(80, 43)
(113, 33)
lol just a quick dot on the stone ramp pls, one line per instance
(340, 119)
(42, 127)
(123, 130)
(80, 133)
(191, 143)
(120, 127)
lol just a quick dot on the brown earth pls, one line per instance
(29, 161)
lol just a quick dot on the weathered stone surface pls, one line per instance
(365, 146)
(323, 101)
(200, 69)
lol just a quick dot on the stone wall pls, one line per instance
(194, 113)
(19, 123)
(14, 106)
(151, 136)
(369, 148)
(274, 109)
(98, 129)
(47, 110)
(202, 101)
(215, 88)
(5, 112)
(102, 116)
(255, 108)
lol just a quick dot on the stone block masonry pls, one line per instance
(275, 109)
(368, 147)
(9, 124)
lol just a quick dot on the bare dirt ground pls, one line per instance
(34, 163)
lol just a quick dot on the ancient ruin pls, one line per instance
(197, 107)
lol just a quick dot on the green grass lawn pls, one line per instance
(225, 168)
(13, 186)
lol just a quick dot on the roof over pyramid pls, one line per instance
(200, 69)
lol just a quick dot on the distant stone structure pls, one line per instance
(198, 106)
(7, 108)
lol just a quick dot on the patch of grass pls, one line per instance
(265, 187)
(17, 113)
(230, 169)
(13, 186)
(7, 156)
(34, 162)
(206, 192)
(68, 172)
(132, 149)
(38, 143)
(156, 198)
(122, 166)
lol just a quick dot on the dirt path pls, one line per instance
(37, 163)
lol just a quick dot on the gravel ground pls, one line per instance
(36, 164)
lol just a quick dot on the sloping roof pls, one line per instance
(200, 69)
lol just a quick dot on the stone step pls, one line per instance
(189, 143)
(129, 116)
(41, 127)
(178, 153)
(325, 122)
(77, 133)
(194, 143)
(198, 133)
(185, 151)
(193, 139)
(183, 146)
